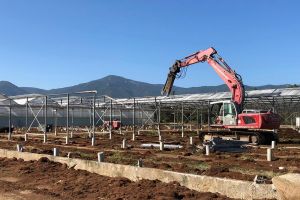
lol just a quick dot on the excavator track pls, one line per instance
(260, 137)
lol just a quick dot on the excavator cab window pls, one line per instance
(227, 113)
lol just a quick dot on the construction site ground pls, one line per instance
(189, 159)
(44, 179)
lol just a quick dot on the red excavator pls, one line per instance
(259, 126)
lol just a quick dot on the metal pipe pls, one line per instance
(9, 121)
(182, 123)
(68, 108)
(46, 109)
(133, 116)
(159, 113)
(208, 115)
(72, 122)
(110, 119)
(26, 114)
(201, 119)
(197, 120)
(120, 120)
(55, 122)
(174, 123)
(94, 114)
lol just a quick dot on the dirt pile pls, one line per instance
(44, 179)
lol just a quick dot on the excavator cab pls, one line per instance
(225, 112)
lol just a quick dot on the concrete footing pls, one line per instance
(67, 140)
(55, 152)
(161, 145)
(19, 148)
(273, 144)
(269, 154)
(45, 138)
(9, 136)
(93, 141)
(287, 186)
(207, 150)
(191, 140)
(124, 145)
(100, 157)
(140, 163)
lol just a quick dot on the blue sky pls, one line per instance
(58, 43)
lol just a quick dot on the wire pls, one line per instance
(182, 73)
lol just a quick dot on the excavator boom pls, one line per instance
(210, 55)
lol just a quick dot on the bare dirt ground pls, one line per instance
(44, 179)
(242, 166)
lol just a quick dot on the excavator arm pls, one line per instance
(210, 55)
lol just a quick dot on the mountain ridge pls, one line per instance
(120, 87)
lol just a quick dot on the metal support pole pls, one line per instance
(94, 114)
(55, 122)
(182, 123)
(159, 113)
(273, 104)
(46, 109)
(120, 121)
(26, 114)
(197, 121)
(91, 111)
(110, 119)
(201, 119)
(133, 120)
(72, 123)
(142, 117)
(208, 115)
(174, 125)
(9, 121)
(68, 112)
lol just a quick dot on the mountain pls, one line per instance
(32, 90)
(10, 89)
(119, 87)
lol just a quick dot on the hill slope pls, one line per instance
(116, 86)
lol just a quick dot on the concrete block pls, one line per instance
(124, 145)
(269, 154)
(191, 140)
(140, 163)
(207, 150)
(161, 145)
(67, 140)
(9, 136)
(19, 148)
(93, 141)
(100, 157)
(45, 138)
(273, 144)
(55, 152)
(287, 186)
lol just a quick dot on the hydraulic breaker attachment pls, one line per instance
(174, 70)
